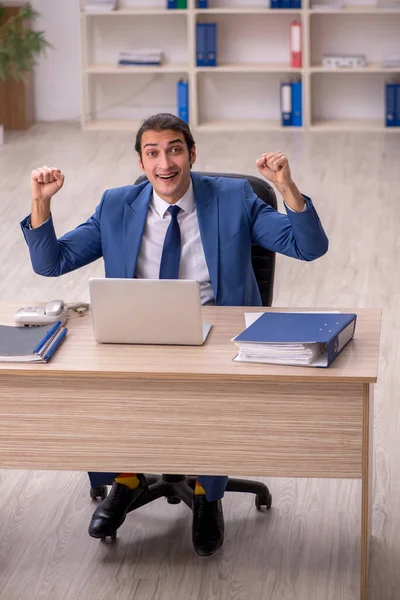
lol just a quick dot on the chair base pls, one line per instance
(179, 488)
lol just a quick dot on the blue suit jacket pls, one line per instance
(231, 217)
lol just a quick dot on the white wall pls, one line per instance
(57, 79)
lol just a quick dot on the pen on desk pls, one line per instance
(47, 336)
(52, 339)
(55, 345)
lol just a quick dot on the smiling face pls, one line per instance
(166, 162)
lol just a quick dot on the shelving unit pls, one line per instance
(242, 92)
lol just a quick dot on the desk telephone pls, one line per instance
(55, 310)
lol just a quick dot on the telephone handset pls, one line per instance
(55, 310)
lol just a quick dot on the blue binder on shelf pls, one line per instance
(211, 44)
(275, 4)
(201, 44)
(297, 110)
(295, 4)
(298, 339)
(171, 4)
(397, 106)
(286, 104)
(183, 100)
(30, 344)
(391, 104)
(202, 3)
(286, 4)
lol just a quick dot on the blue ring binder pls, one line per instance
(48, 335)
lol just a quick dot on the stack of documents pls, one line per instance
(328, 6)
(391, 62)
(300, 339)
(344, 60)
(30, 344)
(145, 56)
(99, 5)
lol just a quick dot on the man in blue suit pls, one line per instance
(176, 224)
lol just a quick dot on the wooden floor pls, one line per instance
(306, 547)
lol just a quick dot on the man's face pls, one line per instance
(166, 162)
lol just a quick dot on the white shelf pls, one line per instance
(250, 68)
(355, 10)
(219, 96)
(251, 125)
(244, 125)
(133, 12)
(369, 68)
(179, 68)
(246, 11)
(107, 69)
(370, 125)
(218, 125)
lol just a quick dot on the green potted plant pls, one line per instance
(19, 44)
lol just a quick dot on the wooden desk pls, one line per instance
(193, 410)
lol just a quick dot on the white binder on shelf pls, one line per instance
(286, 104)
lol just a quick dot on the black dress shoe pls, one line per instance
(111, 513)
(208, 525)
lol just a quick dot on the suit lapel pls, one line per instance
(207, 215)
(135, 216)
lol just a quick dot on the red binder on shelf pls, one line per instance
(295, 45)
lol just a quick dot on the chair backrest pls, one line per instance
(263, 260)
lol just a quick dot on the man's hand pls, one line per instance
(274, 166)
(45, 182)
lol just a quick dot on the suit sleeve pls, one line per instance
(296, 234)
(52, 257)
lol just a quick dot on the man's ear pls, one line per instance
(140, 162)
(192, 157)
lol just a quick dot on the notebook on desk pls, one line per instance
(298, 339)
(30, 344)
(147, 311)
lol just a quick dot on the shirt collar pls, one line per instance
(186, 203)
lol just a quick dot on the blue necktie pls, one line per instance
(171, 254)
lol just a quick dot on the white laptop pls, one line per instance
(147, 311)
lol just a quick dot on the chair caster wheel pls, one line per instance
(112, 537)
(173, 500)
(98, 492)
(261, 501)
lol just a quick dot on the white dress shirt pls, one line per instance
(193, 261)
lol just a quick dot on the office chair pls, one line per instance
(177, 488)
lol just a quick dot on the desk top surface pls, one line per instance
(80, 355)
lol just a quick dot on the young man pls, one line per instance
(176, 224)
